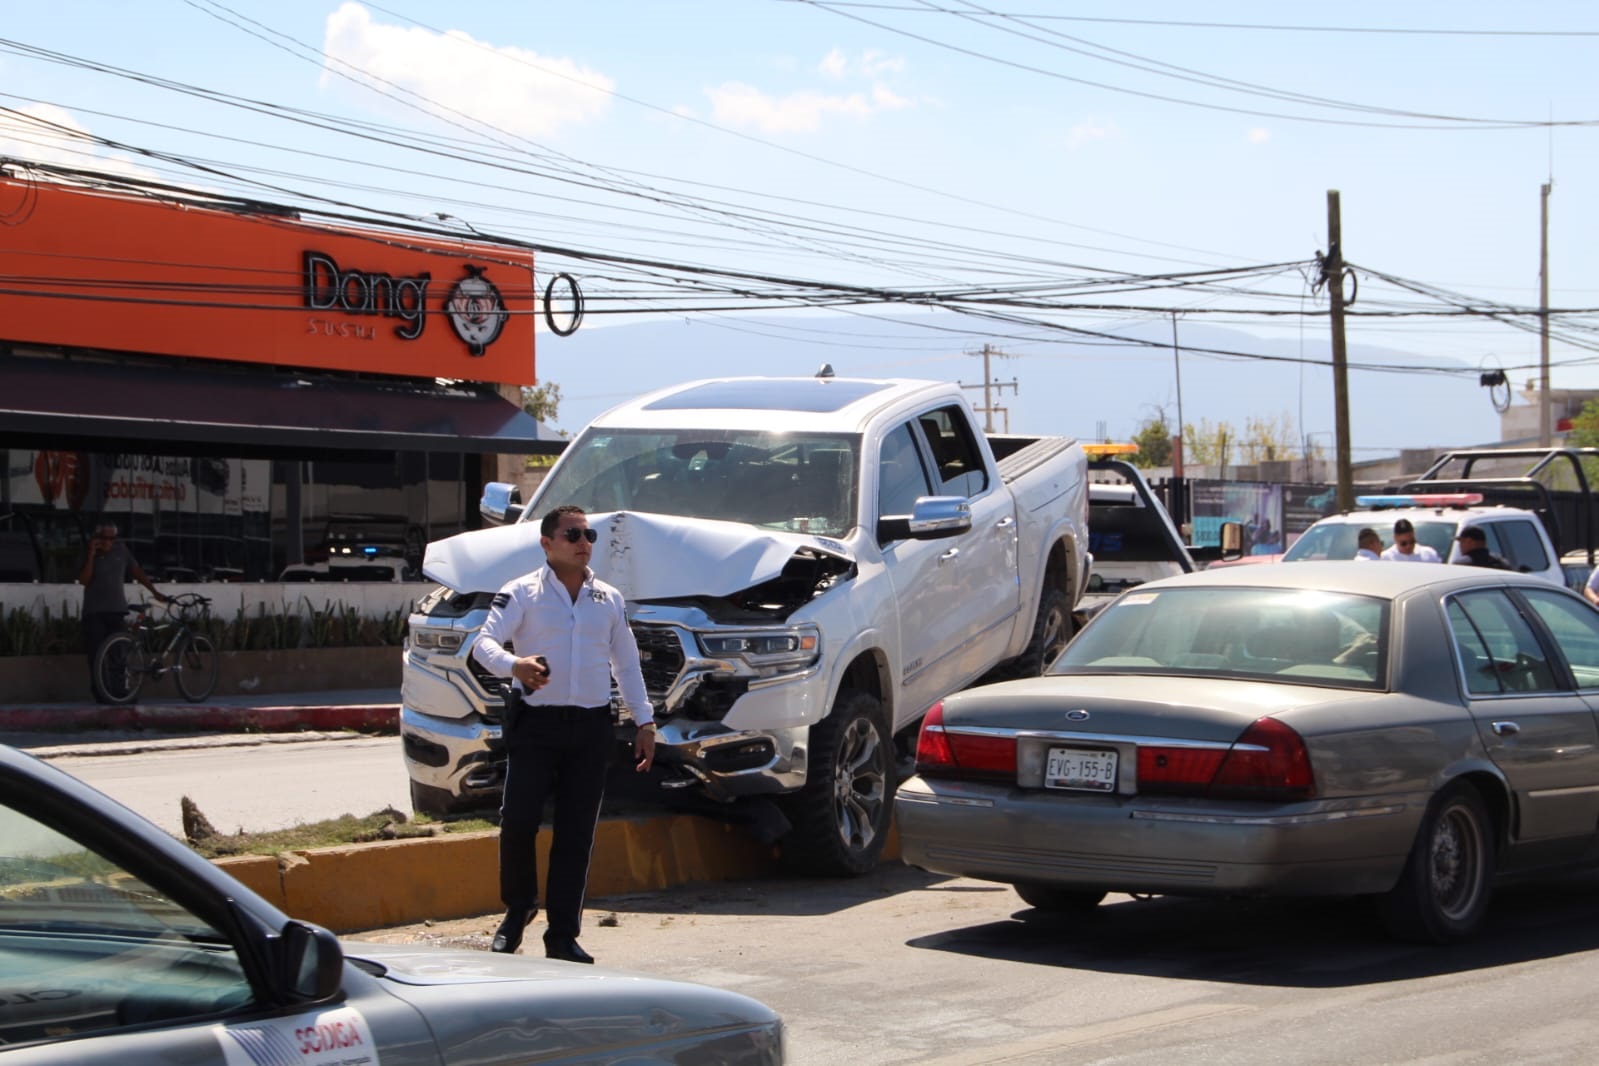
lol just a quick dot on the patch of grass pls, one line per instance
(388, 824)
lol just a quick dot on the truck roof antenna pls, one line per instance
(826, 371)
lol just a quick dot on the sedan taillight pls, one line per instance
(1269, 761)
(940, 753)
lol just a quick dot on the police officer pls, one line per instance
(571, 636)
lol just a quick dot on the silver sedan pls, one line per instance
(1407, 731)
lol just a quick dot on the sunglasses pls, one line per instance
(574, 534)
(1406, 543)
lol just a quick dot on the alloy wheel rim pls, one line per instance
(859, 784)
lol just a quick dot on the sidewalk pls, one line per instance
(364, 710)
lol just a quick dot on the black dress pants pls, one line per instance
(560, 754)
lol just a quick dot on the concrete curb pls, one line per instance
(171, 718)
(368, 886)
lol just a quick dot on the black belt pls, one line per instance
(565, 711)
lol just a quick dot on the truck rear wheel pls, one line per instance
(1052, 629)
(840, 817)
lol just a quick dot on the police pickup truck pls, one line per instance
(808, 564)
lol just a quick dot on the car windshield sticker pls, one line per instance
(1138, 599)
(339, 1037)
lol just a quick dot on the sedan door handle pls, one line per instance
(1506, 729)
(1005, 523)
(949, 555)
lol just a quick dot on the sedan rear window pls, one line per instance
(1290, 635)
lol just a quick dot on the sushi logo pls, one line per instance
(477, 314)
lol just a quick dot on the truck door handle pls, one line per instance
(1506, 729)
(949, 554)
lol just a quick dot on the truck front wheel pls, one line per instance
(840, 817)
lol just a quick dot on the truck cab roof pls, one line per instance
(796, 404)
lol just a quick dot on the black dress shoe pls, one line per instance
(565, 948)
(508, 937)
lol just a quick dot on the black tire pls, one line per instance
(119, 666)
(1052, 630)
(1058, 900)
(197, 669)
(841, 816)
(436, 802)
(1443, 894)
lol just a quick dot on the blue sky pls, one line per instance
(905, 145)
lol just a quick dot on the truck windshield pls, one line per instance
(800, 483)
(1339, 540)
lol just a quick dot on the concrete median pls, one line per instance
(368, 886)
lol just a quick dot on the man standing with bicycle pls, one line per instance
(104, 577)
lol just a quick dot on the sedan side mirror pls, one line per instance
(501, 502)
(310, 963)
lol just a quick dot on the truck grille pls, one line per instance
(492, 685)
(661, 655)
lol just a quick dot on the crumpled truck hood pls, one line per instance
(646, 556)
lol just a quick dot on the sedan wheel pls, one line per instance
(1443, 894)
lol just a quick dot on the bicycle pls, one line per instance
(147, 650)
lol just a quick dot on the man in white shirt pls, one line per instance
(1405, 549)
(570, 633)
(1370, 546)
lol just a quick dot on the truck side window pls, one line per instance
(901, 478)
(1520, 545)
(960, 464)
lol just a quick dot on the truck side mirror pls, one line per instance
(931, 518)
(501, 502)
(1232, 540)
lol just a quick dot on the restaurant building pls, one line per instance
(250, 394)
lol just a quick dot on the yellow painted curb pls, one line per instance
(368, 886)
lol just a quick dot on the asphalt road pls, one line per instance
(903, 967)
(255, 783)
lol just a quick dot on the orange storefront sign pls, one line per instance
(87, 269)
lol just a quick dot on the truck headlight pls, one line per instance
(437, 639)
(768, 652)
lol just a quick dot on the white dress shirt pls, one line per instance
(1422, 554)
(1366, 555)
(585, 642)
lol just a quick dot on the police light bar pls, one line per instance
(1096, 451)
(1434, 499)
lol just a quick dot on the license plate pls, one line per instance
(1083, 769)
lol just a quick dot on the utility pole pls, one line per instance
(1545, 415)
(990, 386)
(1177, 438)
(1332, 274)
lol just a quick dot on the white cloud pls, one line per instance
(739, 105)
(454, 75)
(873, 63)
(1088, 131)
(58, 138)
(803, 111)
(1259, 135)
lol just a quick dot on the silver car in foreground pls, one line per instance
(1404, 730)
(120, 945)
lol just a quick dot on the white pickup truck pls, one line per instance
(808, 563)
